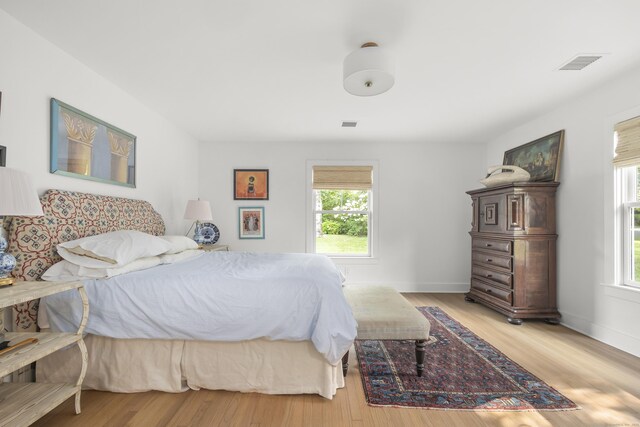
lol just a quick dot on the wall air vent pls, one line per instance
(347, 124)
(580, 61)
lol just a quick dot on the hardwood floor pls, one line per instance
(605, 382)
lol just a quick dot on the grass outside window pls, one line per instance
(342, 244)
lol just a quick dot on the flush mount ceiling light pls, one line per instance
(368, 71)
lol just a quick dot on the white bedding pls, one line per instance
(219, 296)
(131, 366)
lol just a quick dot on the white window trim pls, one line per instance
(627, 252)
(625, 189)
(613, 280)
(374, 213)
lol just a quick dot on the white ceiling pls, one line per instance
(244, 70)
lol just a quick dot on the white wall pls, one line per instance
(424, 213)
(32, 71)
(587, 300)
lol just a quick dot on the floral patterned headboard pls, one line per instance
(68, 216)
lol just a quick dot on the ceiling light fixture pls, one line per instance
(368, 71)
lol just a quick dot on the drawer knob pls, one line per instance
(489, 260)
(489, 275)
(489, 245)
(488, 291)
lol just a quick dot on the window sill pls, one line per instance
(622, 292)
(347, 260)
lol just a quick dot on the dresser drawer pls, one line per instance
(493, 245)
(503, 279)
(487, 259)
(492, 291)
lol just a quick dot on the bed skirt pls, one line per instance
(138, 365)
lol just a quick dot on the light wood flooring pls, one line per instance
(603, 381)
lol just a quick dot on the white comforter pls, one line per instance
(219, 296)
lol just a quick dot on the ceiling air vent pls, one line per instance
(346, 124)
(579, 62)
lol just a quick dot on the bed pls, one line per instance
(129, 364)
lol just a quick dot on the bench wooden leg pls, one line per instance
(420, 350)
(345, 363)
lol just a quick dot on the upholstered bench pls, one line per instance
(383, 314)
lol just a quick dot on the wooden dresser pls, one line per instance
(513, 250)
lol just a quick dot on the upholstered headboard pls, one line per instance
(68, 216)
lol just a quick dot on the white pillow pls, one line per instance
(179, 244)
(170, 258)
(114, 249)
(64, 270)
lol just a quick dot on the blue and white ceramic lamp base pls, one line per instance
(206, 233)
(7, 264)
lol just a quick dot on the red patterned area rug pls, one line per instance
(462, 372)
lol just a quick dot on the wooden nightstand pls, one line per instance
(212, 248)
(24, 403)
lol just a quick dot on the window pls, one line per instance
(631, 224)
(342, 222)
(627, 162)
(341, 210)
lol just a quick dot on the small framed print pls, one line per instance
(251, 184)
(251, 222)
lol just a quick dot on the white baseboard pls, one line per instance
(609, 336)
(435, 288)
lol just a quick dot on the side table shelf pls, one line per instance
(24, 403)
(214, 248)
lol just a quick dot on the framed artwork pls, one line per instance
(541, 158)
(83, 146)
(251, 222)
(3, 149)
(251, 184)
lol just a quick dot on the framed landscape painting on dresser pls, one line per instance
(541, 158)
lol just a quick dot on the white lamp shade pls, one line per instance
(18, 197)
(368, 71)
(199, 210)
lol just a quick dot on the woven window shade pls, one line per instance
(342, 177)
(628, 148)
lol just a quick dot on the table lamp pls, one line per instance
(17, 198)
(198, 210)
